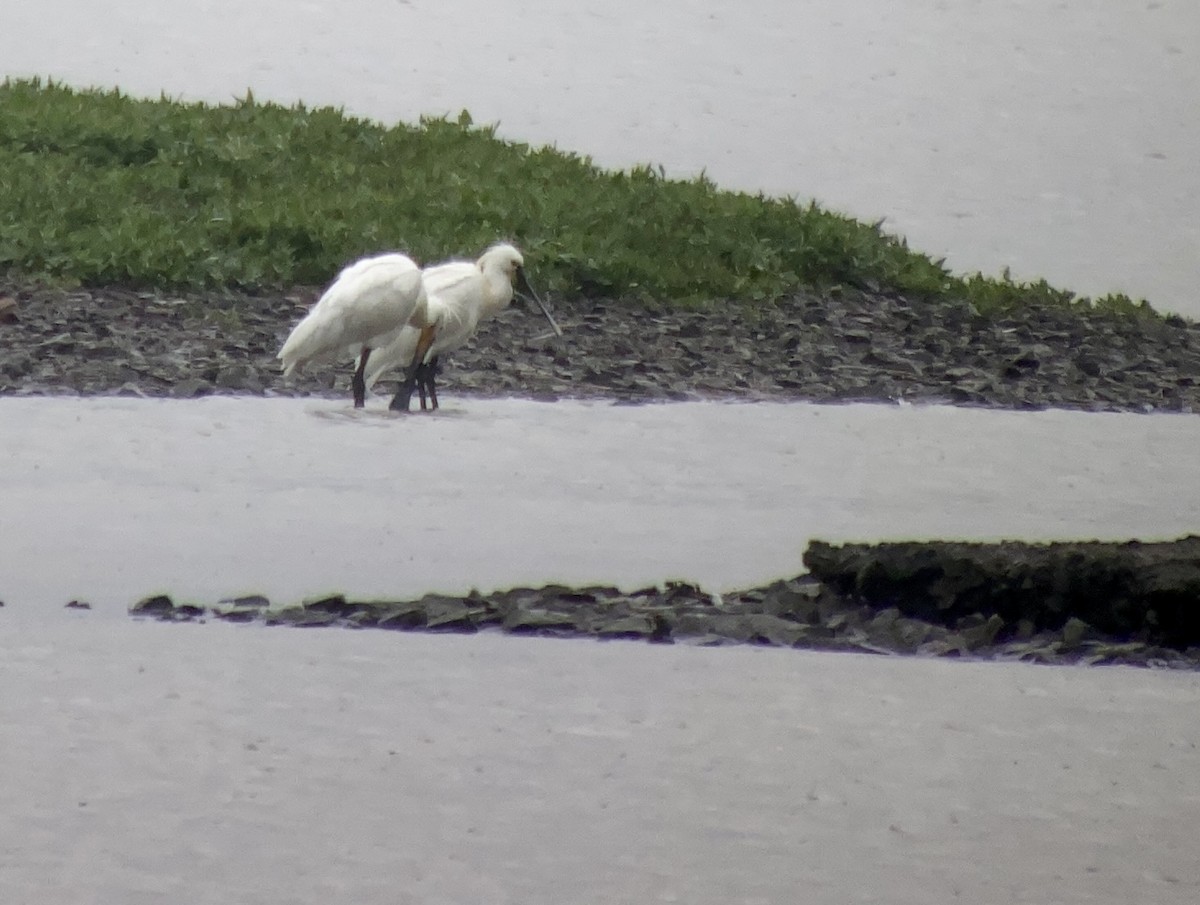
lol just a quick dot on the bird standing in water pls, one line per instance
(369, 304)
(459, 295)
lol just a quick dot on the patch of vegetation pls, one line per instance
(98, 188)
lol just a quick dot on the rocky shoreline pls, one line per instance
(837, 347)
(982, 601)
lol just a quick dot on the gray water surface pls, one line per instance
(109, 499)
(217, 764)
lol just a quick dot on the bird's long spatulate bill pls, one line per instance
(527, 289)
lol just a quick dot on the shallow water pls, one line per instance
(212, 764)
(1055, 138)
(109, 499)
(217, 763)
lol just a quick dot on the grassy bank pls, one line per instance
(100, 189)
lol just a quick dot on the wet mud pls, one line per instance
(1091, 603)
(833, 347)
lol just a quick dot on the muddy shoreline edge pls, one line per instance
(838, 346)
(1078, 602)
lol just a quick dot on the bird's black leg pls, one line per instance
(425, 385)
(403, 398)
(358, 383)
(431, 370)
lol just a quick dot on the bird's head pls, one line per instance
(504, 258)
(508, 260)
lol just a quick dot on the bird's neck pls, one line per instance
(498, 292)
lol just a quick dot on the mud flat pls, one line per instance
(834, 347)
(1091, 603)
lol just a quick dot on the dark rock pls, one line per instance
(241, 609)
(408, 615)
(249, 601)
(538, 622)
(680, 591)
(707, 640)
(760, 628)
(763, 628)
(796, 600)
(686, 624)
(156, 605)
(1074, 632)
(890, 630)
(190, 387)
(910, 634)
(886, 620)
(77, 605)
(1025, 629)
(300, 616)
(239, 377)
(951, 645)
(932, 599)
(163, 607)
(333, 604)
(1149, 590)
(449, 614)
(983, 633)
(651, 627)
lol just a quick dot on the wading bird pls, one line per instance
(460, 295)
(368, 305)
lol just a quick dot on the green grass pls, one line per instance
(97, 188)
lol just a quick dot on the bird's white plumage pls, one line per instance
(367, 306)
(459, 295)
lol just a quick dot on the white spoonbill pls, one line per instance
(369, 303)
(460, 295)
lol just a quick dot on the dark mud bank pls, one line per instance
(1057, 603)
(833, 347)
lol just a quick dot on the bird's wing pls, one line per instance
(397, 353)
(374, 297)
(368, 300)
